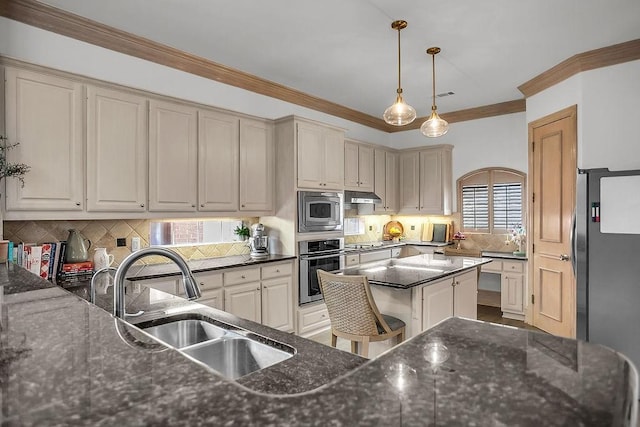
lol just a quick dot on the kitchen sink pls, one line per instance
(236, 356)
(228, 350)
(183, 333)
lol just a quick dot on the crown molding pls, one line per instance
(34, 13)
(590, 60)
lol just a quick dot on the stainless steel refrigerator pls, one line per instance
(606, 246)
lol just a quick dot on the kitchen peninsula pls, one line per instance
(64, 362)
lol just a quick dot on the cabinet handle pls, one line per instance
(564, 257)
(142, 205)
(193, 206)
(77, 203)
(242, 277)
(257, 289)
(277, 270)
(323, 316)
(201, 284)
(202, 205)
(242, 206)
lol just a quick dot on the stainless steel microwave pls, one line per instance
(319, 211)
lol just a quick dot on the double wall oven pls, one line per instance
(316, 255)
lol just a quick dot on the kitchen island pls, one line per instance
(64, 363)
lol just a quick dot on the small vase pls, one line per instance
(519, 252)
(395, 240)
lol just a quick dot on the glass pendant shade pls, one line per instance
(434, 126)
(400, 113)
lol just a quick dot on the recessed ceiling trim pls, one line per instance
(590, 60)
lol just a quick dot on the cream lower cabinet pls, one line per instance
(277, 296)
(453, 296)
(512, 286)
(116, 151)
(44, 114)
(313, 319)
(211, 289)
(244, 301)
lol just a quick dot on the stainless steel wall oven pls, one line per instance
(325, 255)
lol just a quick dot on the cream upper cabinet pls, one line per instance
(116, 151)
(320, 157)
(173, 160)
(386, 181)
(426, 181)
(44, 115)
(358, 166)
(256, 166)
(218, 161)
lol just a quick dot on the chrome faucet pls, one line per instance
(190, 285)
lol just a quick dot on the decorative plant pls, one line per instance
(15, 170)
(517, 235)
(242, 231)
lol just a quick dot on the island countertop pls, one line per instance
(64, 363)
(406, 273)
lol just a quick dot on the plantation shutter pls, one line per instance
(475, 207)
(507, 205)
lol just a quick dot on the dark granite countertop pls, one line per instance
(154, 271)
(503, 255)
(405, 273)
(63, 363)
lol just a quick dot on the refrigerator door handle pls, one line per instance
(574, 247)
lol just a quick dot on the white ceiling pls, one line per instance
(345, 51)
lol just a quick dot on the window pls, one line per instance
(491, 200)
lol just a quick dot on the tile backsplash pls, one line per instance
(103, 234)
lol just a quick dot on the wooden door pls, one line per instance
(256, 166)
(173, 160)
(552, 165)
(116, 151)
(44, 116)
(218, 159)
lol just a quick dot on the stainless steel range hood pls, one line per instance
(359, 197)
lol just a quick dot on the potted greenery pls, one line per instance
(15, 170)
(242, 231)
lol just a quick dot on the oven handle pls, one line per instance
(311, 258)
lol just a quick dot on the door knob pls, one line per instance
(564, 257)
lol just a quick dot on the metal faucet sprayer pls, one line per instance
(191, 288)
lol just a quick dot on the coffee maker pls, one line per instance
(259, 242)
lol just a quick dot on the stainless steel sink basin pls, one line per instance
(183, 333)
(230, 351)
(236, 356)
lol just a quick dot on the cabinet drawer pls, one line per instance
(242, 276)
(509, 266)
(312, 320)
(351, 260)
(494, 266)
(209, 280)
(277, 270)
(375, 256)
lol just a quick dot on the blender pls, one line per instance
(259, 242)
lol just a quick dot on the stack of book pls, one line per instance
(47, 260)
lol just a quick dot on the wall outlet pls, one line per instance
(135, 244)
(121, 242)
(413, 227)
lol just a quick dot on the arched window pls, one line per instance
(492, 200)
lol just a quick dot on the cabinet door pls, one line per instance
(44, 115)
(351, 175)
(213, 298)
(116, 151)
(437, 303)
(391, 190)
(333, 159)
(430, 182)
(511, 293)
(466, 295)
(365, 168)
(173, 157)
(256, 166)
(244, 301)
(277, 303)
(218, 157)
(379, 179)
(310, 156)
(409, 182)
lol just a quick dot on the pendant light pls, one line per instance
(399, 113)
(434, 126)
